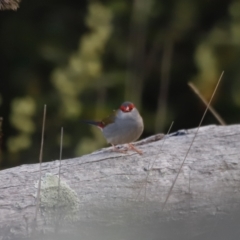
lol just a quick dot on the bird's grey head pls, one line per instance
(127, 111)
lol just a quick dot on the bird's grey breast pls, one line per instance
(126, 128)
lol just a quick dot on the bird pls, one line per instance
(123, 126)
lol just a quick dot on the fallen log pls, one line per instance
(110, 195)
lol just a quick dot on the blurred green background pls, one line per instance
(84, 58)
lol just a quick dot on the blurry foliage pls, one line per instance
(84, 70)
(84, 58)
(23, 109)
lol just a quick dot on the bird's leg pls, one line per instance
(115, 149)
(135, 149)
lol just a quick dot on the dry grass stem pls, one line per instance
(212, 110)
(204, 114)
(1, 122)
(59, 179)
(40, 162)
(60, 158)
(151, 167)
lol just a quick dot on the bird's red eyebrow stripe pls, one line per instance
(127, 108)
(122, 108)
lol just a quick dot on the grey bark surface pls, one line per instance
(110, 195)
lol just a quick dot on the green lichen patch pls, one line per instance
(59, 202)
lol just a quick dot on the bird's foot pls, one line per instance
(134, 149)
(115, 149)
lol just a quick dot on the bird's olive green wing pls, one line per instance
(110, 119)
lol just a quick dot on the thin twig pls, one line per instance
(1, 121)
(212, 110)
(150, 168)
(59, 174)
(40, 162)
(1, 135)
(60, 158)
(171, 188)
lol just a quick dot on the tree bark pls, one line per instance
(111, 195)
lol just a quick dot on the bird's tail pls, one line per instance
(95, 123)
